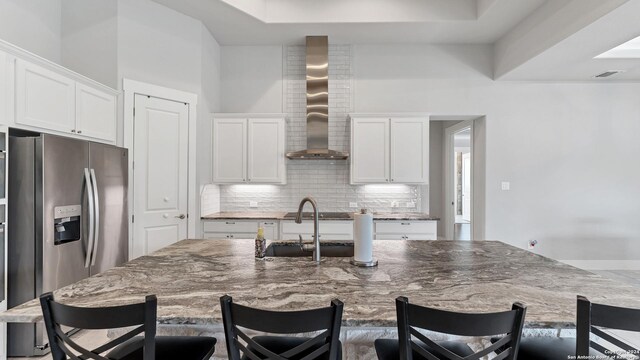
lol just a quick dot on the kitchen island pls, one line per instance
(190, 276)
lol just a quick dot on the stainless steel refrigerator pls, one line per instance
(68, 214)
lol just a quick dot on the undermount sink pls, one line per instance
(293, 250)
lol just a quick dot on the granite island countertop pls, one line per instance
(190, 276)
(280, 215)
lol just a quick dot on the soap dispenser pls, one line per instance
(261, 244)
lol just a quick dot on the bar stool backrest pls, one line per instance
(327, 320)
(591, 317)
(413, 317)
(62, 346)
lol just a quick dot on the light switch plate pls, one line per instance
(253, 204)
(353, 204)
(506, 185)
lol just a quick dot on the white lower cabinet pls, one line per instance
(405, 230)
(328, 230)
(239, 229)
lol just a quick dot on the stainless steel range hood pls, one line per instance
(317, 104)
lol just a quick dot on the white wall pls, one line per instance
(160, 46)
(568, 149)
(252, 79)
(90, 39)
(33, 25)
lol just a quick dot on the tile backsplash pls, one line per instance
(327, 181)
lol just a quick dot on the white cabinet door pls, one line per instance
(229, 151)
(409, 152)
(95, 113)
(4, 88)
(44, 98)
(266, 142)
(369, 150)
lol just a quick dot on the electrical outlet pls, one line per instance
(411, 204)
(394, 204)
(353, 204)
(253, 204)
(506, 186)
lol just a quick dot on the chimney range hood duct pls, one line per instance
(317, 104)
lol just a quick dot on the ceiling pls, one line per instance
(270, 22)
(545, 40)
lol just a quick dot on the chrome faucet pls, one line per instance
(316, 236)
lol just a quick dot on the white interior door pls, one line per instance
(466, 186)
(160, 173)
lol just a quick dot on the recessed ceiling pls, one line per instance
(278, 22)
(627, 50)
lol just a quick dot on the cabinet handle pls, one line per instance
(79, 131)
(268, 223)
(387, 180)
(392, 180)
(230, 223)
(73, 131)
(244, 180)
(231, 236)
(405, 223)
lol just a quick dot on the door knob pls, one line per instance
(181, 216)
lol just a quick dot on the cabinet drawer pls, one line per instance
(309, 236)
(231, 226)
(406, 227)
(326, 227)
(405, 237)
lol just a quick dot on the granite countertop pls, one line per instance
(280, 215)
(190, 276)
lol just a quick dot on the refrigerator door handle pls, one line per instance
(90, 198)
(96, 204)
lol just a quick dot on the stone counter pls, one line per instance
(190, 276)
(280, 215)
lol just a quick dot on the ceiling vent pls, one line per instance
(606, 74)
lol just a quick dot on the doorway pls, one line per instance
(462, 184)
(459, 181)
(159, 132)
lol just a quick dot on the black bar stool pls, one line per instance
(590, 319)
(126, 347)
(413, 317)
(325, 346)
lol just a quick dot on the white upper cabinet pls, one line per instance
(409, 150)
(266, 161)
(389, 149)
(249, 148)
(38, 95)
(229, 151)
(44, 98)
(95, 113)
(369, 150)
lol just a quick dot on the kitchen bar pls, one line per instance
(190, 276)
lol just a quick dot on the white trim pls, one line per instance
(604, 264)
(449, 215)
(23, 54)
(130, 89)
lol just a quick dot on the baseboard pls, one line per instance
(604, 264)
